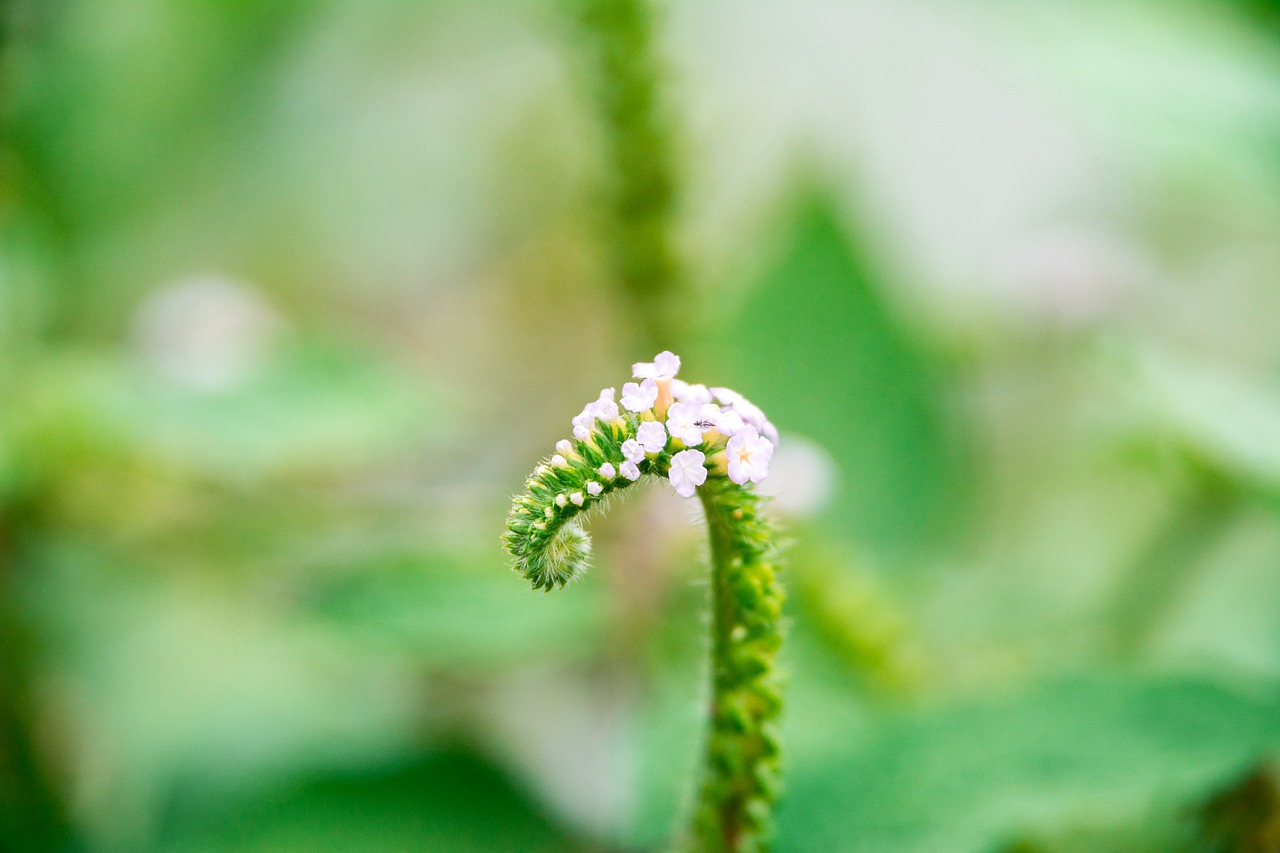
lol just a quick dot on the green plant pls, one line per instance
(713, 443)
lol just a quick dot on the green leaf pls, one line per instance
(449, 803)
(818, 347)
(966, 776)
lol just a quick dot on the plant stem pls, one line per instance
(640, 187)
(734, 811)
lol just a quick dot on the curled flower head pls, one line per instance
(716, 445)
(722, 437)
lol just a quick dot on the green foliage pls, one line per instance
(450, 801)
(816, 342)
(965, 773)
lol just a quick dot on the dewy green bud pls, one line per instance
(669, 429)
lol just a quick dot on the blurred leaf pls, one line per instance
(818, 348)
(1215, 415)
(473, 617)
(961, 777)
(449, 803)
(315, 406)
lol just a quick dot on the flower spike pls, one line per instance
(672, 430)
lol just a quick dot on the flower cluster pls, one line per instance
(665, 427)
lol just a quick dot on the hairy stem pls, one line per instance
(740, 765)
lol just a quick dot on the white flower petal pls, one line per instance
(652, 437)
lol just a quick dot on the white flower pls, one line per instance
(748, 411)
(549, 512)
(688, 421)
(607, 471)
(577, 499)
(652, 437)
(665, 365)
(687, 472)
(637, 398)
(686, 393)
(594, 489)
(561, 500)
(630, 470)
(559, 461)
(729, 423)
(749, 454)
(603, 409)
(564, 447)
(633, 451)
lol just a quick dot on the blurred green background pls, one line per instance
(293, 295)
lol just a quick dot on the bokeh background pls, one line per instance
(293, 295)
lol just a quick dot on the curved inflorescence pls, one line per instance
(713, 443)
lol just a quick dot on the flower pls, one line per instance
(749, 411)
(559, 461)
(686, 393)
(561, 500)
(749, 454)
(652, 437)
(639, 397)
(688, 421)
(632, 450)
(607, 471)
(577, 499)
(604, 408)
(665, 365)
(564, 447)
(687, 472)
(582, 425)
(594, 489)
(630, 470)
(729, 423)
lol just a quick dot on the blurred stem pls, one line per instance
(31, 817)
(641, 184)
(734, 811)
(1164, 569)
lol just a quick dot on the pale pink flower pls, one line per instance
(665, 365)
(687, 472)
(749, 454)
(638, 397)
(652, 437)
